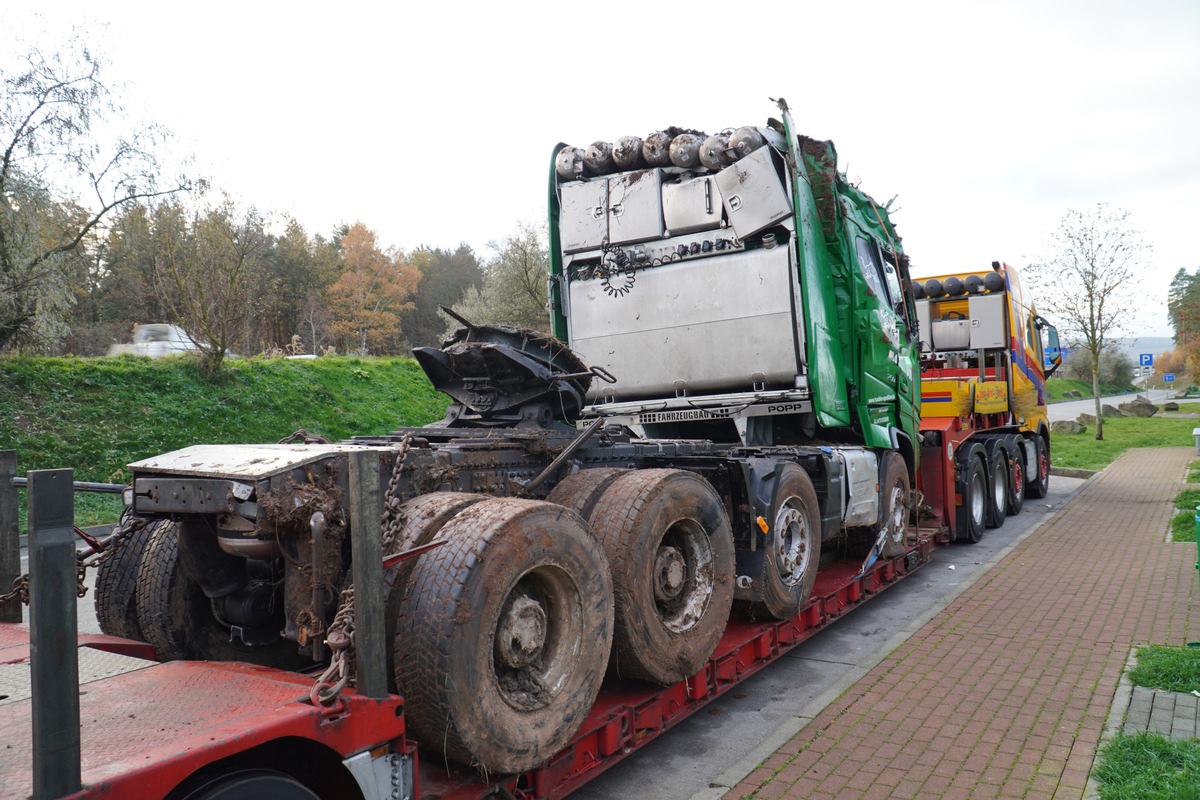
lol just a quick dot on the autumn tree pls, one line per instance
(1087, 284)
(374, 288)
(514, 290)
(205, 275)
(61, 175)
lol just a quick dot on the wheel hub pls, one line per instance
(522, 632)
(791, 545)
(670, 572)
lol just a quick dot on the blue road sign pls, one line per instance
(1145, 359)
(1169, 377)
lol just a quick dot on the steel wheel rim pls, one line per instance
(790, 544)
(978, 497)
(536, 631)
(681, 608)
(1000, 489)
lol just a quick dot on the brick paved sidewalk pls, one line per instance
(1005, 693)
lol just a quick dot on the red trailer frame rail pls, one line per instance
(628, 716)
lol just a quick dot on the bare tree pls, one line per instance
(206, 275)
(55, 115)
(1088, 283)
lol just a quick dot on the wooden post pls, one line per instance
(53, 647)
(366, 547)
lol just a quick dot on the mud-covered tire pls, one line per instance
(581, 490)
(1016, 480)
(178, 619)
(117, 579)
(1038, 485)
(503, 635)
(420, 519)
(786, 569)
(895, 488)
(971, 516)
(670, 547)
(997, 512)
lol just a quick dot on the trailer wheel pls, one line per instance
(580, 491)
(181, 622)
(503, 635)
(1039, 484)
(972, 513)
(997, 511)
(793, 553)
(670, 546)
(1016, 479)
(116, 582)
(249, 784)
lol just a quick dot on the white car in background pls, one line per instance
(154, 340)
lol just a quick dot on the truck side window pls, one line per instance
(892, 276)
(869, 264)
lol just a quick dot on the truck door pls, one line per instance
(884, 330)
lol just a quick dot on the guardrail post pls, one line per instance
(53, 649)
(366, 548)
(10, 534)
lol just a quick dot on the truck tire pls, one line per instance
(180, 621)
(1016, 478)
(997, 511)
(116, 583)
(670, 547)
(503, 635)
(1039, 483)
(893, 511)
(249, 784)
(792, 557)
(420, 519)
(580, 491)
(972, 514)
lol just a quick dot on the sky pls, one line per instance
(435, 123)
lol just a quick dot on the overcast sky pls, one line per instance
(435, 123)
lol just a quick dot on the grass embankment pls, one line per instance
(96, 415)
(1056, 388)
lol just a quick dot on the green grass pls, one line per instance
(1183, 524)
(1056, 387)
(1147, 766)
(96, 415)
(1172, 669)
(1082, 451)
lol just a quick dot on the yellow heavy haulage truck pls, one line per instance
(985, 436)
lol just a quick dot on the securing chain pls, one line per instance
(98, 552)
(340, 636)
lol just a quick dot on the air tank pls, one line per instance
(656, 150)
(568, 164)
(713, 152)
(598, 158)
(745, 140)
(685, 150)
(627, 152)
